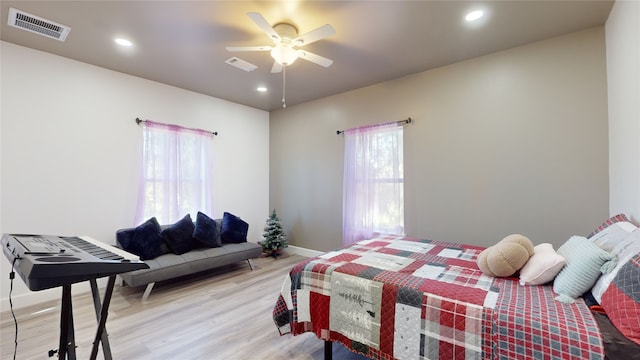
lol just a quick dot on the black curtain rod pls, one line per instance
(215, 133)
(399, 122)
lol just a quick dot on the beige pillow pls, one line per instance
(506, 257)
(542, 267)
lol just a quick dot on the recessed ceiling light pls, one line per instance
(474, 15)
(123, 42)
(261, 88)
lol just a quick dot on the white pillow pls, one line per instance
(624, 250)
(542, 267)
(613, 234)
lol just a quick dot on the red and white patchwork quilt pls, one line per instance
(407, 298)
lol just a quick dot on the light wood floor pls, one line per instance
(220, 314)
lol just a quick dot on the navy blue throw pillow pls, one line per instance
(178, 236)
(206, 231)
(144, 240)
(234, 229)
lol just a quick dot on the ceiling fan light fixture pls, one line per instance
(286, 40)
(284, 54)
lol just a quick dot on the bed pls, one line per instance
(408, 298)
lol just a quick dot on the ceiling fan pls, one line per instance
(286, 42)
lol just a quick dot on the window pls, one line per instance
(176, 173)
(373, 191)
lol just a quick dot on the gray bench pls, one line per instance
(169, 266)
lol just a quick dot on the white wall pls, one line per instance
(512, 142)
(623, 77)
(70, 150)
(3, 276)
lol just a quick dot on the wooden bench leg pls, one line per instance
(250, 265)
(147, 291)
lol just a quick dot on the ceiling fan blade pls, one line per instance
(322, 61)
(314, 35)
(276, 67)
(265, 26)
(248, 48)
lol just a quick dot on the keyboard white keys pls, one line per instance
(125, 254)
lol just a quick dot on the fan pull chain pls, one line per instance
(284, 78)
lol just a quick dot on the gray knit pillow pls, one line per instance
(585, 262)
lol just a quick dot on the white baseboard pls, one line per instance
(303, 251)
(36, 297)
(29, 298)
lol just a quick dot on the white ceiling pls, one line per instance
(182, 43)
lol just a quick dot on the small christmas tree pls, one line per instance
(274, 238)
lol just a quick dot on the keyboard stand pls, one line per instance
(101, 317)
(67, 345)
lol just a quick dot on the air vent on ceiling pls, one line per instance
(241, 64)
(38, 25)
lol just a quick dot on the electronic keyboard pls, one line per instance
(47, 261)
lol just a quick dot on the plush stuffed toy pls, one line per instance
(506, 257)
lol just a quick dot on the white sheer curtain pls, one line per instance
(176, 173)
(373, 188)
